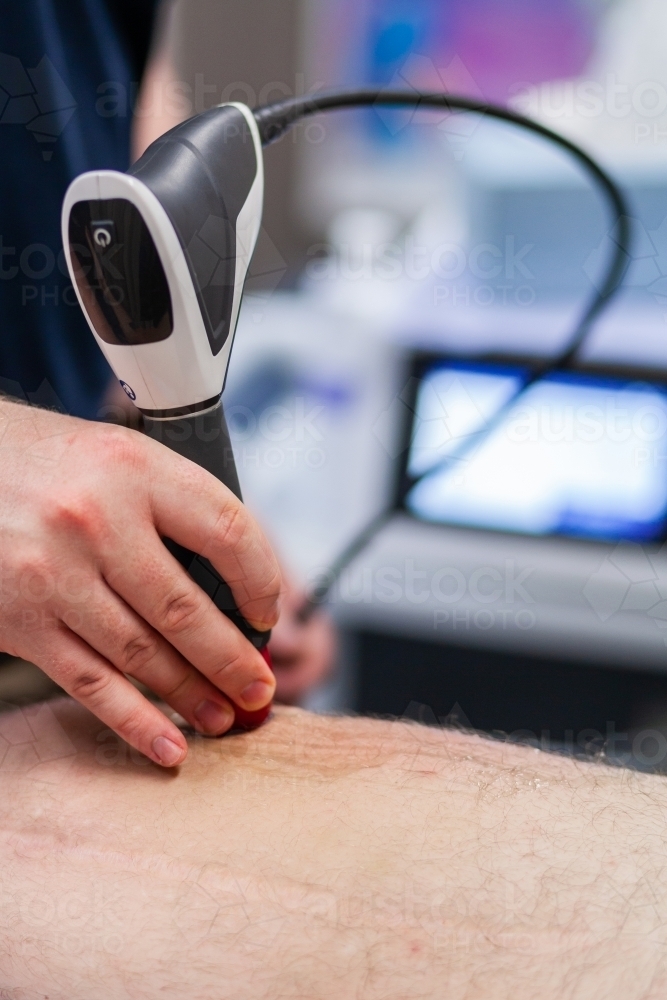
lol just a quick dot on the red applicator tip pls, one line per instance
(252, 720)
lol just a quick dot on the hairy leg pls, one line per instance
(323, 858)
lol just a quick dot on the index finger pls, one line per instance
(192, 508)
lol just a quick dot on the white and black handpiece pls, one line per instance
(158, 257)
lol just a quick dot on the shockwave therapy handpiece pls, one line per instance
(158, 257)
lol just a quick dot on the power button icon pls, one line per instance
(102, 237)
(102, 232)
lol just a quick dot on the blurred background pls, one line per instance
(398, 246)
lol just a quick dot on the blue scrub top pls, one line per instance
(69, 72)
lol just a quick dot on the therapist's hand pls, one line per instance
(89, 592)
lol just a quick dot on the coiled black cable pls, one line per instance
(273, 120)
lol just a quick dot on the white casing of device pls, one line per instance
(181, 370)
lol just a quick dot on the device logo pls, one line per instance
(37, 98)
(128, 390)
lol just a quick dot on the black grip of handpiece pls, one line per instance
(204, 439)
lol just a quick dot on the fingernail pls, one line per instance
(257, 695)
(213, 718)
(167, 752)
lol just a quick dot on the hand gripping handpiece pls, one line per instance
(158, 257)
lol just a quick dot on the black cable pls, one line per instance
(273, 120)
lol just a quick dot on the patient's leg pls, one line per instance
(321, 858)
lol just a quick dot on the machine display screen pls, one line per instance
(573, 455)
(119, 273)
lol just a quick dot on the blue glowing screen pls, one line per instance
(571, 455)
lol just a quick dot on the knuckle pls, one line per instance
(180, 612)
(181, 688)
(113, 451)
(120, 446)
(91, 686)
(32, 562)
(133, 726)
(231, 525)
(138, 652)
(228, 666)
(32, 579)
(264, 601)
(78, 513)
(271, 591)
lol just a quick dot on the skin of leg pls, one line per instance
(323, 858)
